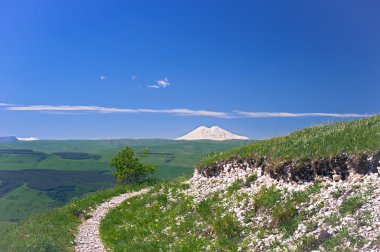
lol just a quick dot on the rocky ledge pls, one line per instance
(331, 204)
(301, 169)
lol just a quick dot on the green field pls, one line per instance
(42, 174)
(47, 154)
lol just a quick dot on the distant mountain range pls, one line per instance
(15, 139)
(214, 133)
(8, 139)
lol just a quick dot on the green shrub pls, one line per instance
(267, 197)
(251, 179)
(227, 229)
(307, 243)
(351, 204)
(204, 208)
(284, 214)
(234, 187)
(128, 167)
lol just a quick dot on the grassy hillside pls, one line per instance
(23, 201)
(54, 230)
(248, 216)
(242, 210)
(319, 141)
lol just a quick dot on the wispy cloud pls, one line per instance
(70, 109)
(160, 84)
(134, 77)
(103, 77)
(288, 114)
(98, 109)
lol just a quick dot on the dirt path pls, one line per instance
(88, 239)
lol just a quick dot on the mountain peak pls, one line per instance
(214, 133)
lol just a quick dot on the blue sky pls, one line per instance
(142, 69)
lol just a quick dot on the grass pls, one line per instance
(351, 204)
(251, 179)
(54, 230)
(234, 187)
(318, 141)
(283, 211)
(334, 242)
(167, 220)
(23, 201)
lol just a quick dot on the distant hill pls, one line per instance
(214, 133)
(8, 139)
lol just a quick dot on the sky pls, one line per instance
(158, 69)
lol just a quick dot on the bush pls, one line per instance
(227, 229)
(128, 167)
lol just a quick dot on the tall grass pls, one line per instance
(319, 141)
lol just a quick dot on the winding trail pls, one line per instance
(87, 239)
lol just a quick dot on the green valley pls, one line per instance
(38, 175)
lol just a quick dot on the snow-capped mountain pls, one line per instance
(28, 139)
(213, 133)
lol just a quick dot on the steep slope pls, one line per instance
(214, 133)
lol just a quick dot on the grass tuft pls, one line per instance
(351, 204)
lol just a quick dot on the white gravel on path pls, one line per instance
(88, 239)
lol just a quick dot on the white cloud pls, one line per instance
(288, 114)
(153, 86)
(69, 108)
(160, 84)
(5, 104)
(164, 83)
(103, 77)
(134, 77)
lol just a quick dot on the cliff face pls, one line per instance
(324, 204)
(301, 169)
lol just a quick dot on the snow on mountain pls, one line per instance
(27, 138)
(213, 133)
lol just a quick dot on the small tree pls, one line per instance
(128, 167)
